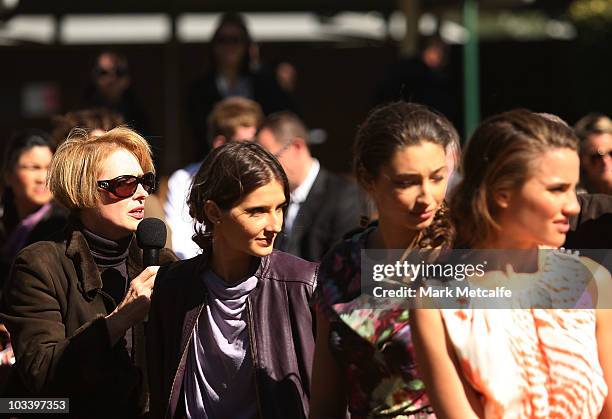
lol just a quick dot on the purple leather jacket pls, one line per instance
(280, 325)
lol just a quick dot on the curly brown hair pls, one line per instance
(391, 127)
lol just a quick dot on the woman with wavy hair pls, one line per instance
(364, 356)
(520, 172)
(230, 331)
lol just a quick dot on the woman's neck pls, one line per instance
(388, 236)
(505, 241)
(91, 221)
(522, 255)
(231, 266)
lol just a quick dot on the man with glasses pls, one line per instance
(323, 206)
(592, 227)
(595, 133)
(232, 119)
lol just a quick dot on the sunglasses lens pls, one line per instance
(126, 187)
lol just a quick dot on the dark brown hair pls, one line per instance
(388, 129)
(499, 156)
(227, 175)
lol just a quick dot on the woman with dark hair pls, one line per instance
(29, 213)
(520, 172)
(233, 73)
(230, 330)
(364, 356)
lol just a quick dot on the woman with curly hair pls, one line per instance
(364, 358)
(230, 330)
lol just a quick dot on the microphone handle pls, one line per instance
(150, 257)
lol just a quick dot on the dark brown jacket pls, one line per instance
(54, 308)
(280, 327)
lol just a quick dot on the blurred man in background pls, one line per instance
(323, 206)
(595, 133)
(232, 119)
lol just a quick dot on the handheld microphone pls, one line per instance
(151, 237)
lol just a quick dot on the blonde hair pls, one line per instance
(77, 164)
(232, 113)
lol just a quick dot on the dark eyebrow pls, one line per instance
(418, 174)
(256, 207)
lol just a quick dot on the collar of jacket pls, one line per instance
(196, 291)
(258, 264)
(78, 251)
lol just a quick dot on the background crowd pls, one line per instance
(257, 309)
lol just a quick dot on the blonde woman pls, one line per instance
(75, 306)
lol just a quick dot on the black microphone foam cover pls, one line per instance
(151, 233)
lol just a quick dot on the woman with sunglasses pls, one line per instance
(230, 330)
(75, 306)
(235, 70)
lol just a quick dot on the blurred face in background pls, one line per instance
(111, 77)
(242, 133)
(596, 162)
(245, 133)
(287, 154)
(230, 47)
(410, 187)
(28, 180)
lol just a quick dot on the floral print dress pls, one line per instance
(372, 346)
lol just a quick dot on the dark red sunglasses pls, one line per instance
(125, 186)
